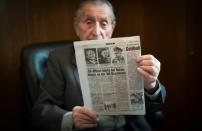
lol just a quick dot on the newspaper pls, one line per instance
(108, 75)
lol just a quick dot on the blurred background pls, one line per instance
(169, 29)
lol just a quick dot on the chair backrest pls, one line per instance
(33, 67)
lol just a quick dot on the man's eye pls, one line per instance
(89, 22)
(104, 24)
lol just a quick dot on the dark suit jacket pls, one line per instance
(60, 92)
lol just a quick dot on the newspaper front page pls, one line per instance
(108, 75)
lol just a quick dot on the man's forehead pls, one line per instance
(90, 51)
(96, 10)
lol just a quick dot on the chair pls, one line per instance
(33, 67)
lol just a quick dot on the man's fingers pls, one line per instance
(84, 112)
(151, 70)
(148, 60)
(89, 112)
(145, 57)
(84, 117)
(82, 121)
(77, 116)
(147, 74)
(146, 63)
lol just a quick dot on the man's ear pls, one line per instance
(76, 28)
(113, 27)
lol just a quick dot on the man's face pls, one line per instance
(118, 53)
(95, 22)
(105, 53)
(90, 54)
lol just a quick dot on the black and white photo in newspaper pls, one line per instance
(108, 75)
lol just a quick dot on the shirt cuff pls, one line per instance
(67, 122)
(155, 95)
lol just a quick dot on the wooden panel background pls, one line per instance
(169, 29)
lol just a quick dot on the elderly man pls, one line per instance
(60, 103)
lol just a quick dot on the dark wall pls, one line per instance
(168, 29)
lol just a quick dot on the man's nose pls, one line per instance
(97, 31)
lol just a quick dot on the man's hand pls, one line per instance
(83, 117)
(149, 68)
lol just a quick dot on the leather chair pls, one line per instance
(33, 67)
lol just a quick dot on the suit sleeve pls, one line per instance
(155, 101)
